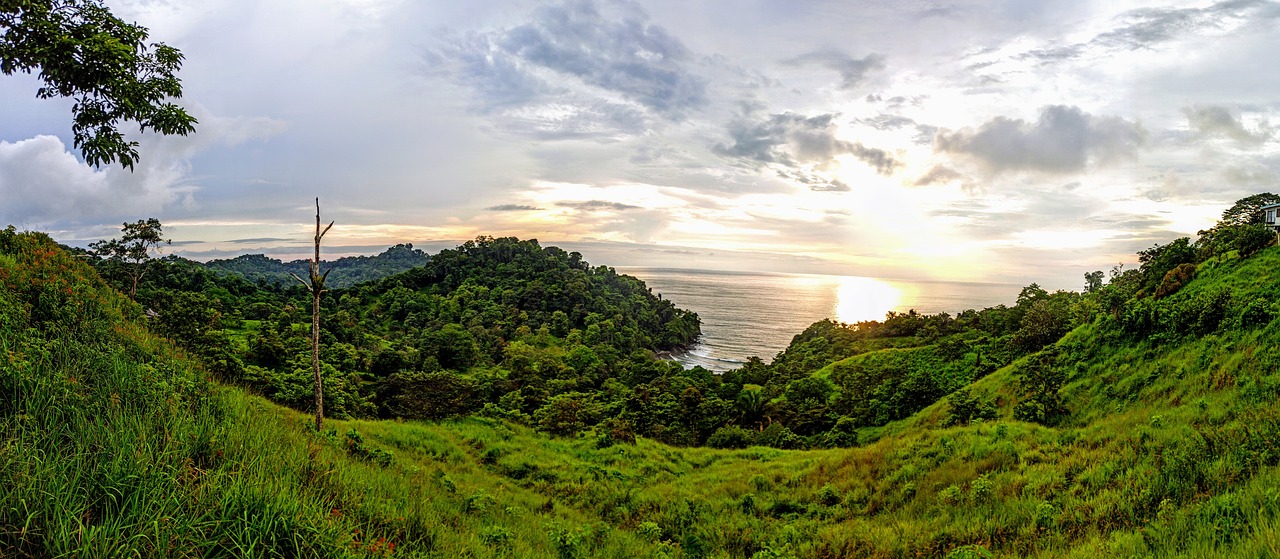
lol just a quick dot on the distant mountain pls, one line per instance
(347, 271)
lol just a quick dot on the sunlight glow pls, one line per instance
(859, 299)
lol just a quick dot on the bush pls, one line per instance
(357, 448)
(1256, 313)
(437, 395)
(966, 407)
(778, 436)
(731, 436)
(843, 435)
(1174, 279)
(951, 496)
(828, 496)
(615, 431)
(982, 490)
(566, 414)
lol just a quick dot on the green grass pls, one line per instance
(112, 443)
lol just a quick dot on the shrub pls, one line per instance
(730, 436)
(981, 490)
(966, 407)
(760, 482)
(1256, 313)
(568, 413)
(357, 448)
(478, 502)
(1046, 515)
(779, 436)
(650, 531)
(828, 496)
(1174, 279)
(951, 496)
(1041, 379)
(496, 537)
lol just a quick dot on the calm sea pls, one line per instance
(748, 313)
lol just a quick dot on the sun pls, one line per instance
(860, 299)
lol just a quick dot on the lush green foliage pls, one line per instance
(344, 272)
(112, 444)
(83, 51)
(131, 253)
(1152, 431)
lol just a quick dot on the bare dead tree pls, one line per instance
(317, 288)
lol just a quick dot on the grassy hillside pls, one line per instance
(114, 444)
(1166, 444)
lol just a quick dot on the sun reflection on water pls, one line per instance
(859, 299)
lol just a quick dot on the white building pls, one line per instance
(1269, 216)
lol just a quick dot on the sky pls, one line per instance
(1011, 141)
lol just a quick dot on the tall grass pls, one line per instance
(113, 444)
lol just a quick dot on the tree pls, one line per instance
(132, 250)
(1248, 210)
(1041, 380)
(1159, 259)
(83, 51)
(317, 288)
(1093, 281)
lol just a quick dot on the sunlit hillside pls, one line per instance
(117, 444)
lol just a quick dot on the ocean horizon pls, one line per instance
(746, 314)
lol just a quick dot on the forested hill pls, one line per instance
(501, 324)
(549, 287)
(347, 271)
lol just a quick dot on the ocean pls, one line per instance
(747, 314)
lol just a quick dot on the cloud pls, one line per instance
(799, 147)
(1063, 140)
(555, 120)
(592, 205)
(877, 158)
(256, 240)
(1216, 121)
(42, 182)
(853, 71)
(814, 181)
(1148, 28)
(512, 208)
(887, 122)
(939, 174)
(590, 51)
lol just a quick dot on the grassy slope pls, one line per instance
(113, 444)
(1170, 450)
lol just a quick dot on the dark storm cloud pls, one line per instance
(1215, 121)
(512, 208)
(611, 46)
(592, 205)
(853, 71)
(1063, 140)
(795, 143)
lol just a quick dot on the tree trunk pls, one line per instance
(315, 344)
(317, 288)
